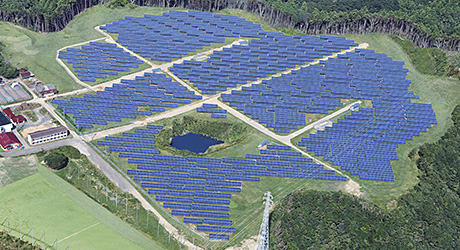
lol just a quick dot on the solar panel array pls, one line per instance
(272, 52)
(176, 33)
(123, 100)
(98, 60)
(213, 109)
(200, 188)
(365, 141)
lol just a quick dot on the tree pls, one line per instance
(56, 160)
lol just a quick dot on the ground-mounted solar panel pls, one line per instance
(209, 214)
(193, 220)
(217, 222)
(216, 229)
(180, 213)
(213, 236)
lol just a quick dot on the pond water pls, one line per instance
(195, 143)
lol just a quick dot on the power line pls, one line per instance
(263, 242)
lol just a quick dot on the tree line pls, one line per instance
(427, 217)
(425, 23)
(6, 69)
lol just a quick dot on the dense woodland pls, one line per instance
(425, 23)
(229, 132)
(431, 61)
(428, 217)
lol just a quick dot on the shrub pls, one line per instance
(56, 160)
(69, 151)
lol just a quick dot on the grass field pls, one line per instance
(65, 213)
(38, 50)
(17, 168)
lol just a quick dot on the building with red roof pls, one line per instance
(15, 119)
(9, 141)
(25, 74)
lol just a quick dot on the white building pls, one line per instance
(47, 135)
(5, 123)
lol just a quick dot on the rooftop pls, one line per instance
(3, 119)
(7, 139)
(46, 132)
(41, 88)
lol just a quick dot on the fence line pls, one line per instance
(30, 234)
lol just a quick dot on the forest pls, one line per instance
(428, 217)
(425, 23)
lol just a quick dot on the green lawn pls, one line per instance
(49, 204)
(38, 50)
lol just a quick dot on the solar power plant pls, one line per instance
(214, 110)
(198, 189)
(365, 141)
(123, 100)
(270, 53)
(98, 60)
(176, 33)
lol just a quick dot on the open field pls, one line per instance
(17, 168)
(65, 213)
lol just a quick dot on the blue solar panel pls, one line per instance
(215, 229)
(193, 220)
(213, 236)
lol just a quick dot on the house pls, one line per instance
(25, 74)
(9, 141)
(46, 90)
(47, 135)
(5, 123)
(15, 119)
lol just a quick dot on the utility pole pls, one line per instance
(263, 242)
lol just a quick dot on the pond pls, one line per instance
(195, 143)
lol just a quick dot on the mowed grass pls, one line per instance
(38, 50)
(17, 168)
(49, 204)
